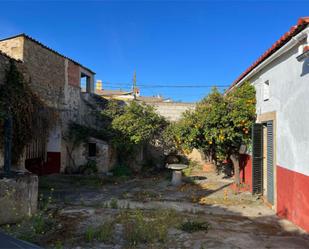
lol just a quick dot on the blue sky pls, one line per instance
(167, 43)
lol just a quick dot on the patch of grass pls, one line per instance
(194, 226)
(90, 234)
(147, 227)
(103, 233)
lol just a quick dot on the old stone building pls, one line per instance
(62, 84)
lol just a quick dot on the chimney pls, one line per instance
(99, 85)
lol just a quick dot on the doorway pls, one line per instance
(263, 174)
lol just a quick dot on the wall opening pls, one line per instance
(266, 90)
(92, 149)
(85, 83)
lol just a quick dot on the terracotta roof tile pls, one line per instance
(301, 25)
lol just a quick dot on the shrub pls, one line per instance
(194, 226)
(121, 170)
(113, 203)
(89, 168)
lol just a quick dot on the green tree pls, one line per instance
(137, 125)
(240, 116)
(219, 125)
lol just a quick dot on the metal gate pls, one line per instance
(257, 158)
(270, 162)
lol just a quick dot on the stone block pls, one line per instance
(18, 198)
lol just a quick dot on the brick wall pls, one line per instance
(73, 74)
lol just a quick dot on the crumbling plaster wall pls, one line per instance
(105, 155)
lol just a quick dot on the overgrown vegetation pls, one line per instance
(218, 126)
(32, 119)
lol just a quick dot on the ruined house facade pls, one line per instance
(57, 80)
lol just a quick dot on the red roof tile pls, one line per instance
(301, 25)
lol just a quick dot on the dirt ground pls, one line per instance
(234, 220)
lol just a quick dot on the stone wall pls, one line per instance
(13, 47)
(172, 111)
(47, 72)
(18, 198)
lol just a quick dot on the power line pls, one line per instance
(154, 85)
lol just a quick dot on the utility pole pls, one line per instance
(134, 84)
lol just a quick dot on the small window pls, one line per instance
(92, 149)
(266, 92)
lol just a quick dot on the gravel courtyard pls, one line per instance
(147, 212)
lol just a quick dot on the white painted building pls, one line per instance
(281, 79)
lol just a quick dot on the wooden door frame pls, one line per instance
(263, 118)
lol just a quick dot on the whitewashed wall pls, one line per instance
(289, 97)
